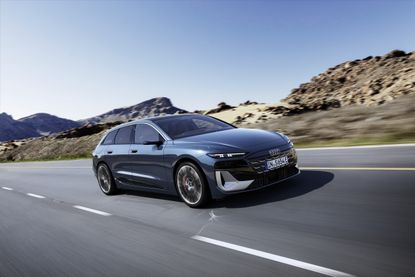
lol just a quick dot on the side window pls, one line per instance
(124, 135)
(109, 139)
(144, 132)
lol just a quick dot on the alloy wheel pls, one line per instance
(189, 184)
(104, 179)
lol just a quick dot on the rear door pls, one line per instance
(146, 160)
(118, 152)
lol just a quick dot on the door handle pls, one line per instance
(134, 151)
(109, 152)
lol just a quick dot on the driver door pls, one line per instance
(146, 158)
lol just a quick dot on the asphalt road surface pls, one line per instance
(350, 213)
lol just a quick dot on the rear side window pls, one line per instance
(124, 135)
(109, 139)
(145, 132)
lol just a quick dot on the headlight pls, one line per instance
(225, 155)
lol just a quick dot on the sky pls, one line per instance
(77, 59)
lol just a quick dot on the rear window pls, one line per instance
(109, 139)
(124, 135)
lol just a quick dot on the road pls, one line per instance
(350, 213)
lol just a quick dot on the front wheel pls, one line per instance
(105, 180)
(191, 185)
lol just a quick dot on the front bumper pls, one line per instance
(233, 176)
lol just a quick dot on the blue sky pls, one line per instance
(76, 59)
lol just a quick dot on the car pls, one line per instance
(196, 157)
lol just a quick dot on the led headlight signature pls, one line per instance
(225, 155)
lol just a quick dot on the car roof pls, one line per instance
(152, 119)
(157, 118)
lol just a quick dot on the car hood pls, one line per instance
(240, 138)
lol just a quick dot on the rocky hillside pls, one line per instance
(372, 81)
(392, 122)
(74, 143)
(369, 81)
(152, 107)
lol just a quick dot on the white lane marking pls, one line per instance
(91, 210)
(36, 195)
(6, 188)
(356, 147)
(273, 257)
(361, 168)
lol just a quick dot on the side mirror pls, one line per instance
(153, 142)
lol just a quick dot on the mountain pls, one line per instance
(11, 129)
(42, 124)
(46, 124)
(369, 81)
(32, 126)
(152, 107)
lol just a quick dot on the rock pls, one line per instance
(247, 115)
(277, 109)
(395, 54)
(247, 103)
(238, 120)
(341, 80)
(222, 106)
(350, 64)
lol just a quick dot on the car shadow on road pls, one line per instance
(154, 195)
(304, 183)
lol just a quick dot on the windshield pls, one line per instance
(190, 125)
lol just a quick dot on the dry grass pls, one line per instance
(53, 149)
(389, 123)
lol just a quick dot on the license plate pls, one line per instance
(276, 163)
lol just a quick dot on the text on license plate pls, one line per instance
(277, 163)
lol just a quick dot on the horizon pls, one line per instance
(118, 54)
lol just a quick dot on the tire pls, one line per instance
(191, 185)
(105, 180)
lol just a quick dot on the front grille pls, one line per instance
(258, 164)
(273, 176)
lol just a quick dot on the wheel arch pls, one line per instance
(102, 162)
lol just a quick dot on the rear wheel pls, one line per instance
(191, 185)
(105, 180)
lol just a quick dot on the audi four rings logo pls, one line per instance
(274, 152)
